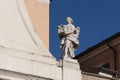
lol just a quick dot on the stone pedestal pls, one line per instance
(71, 70)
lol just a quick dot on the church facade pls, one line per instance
(24, 43)
(24, 46)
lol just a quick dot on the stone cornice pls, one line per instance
(44, 1)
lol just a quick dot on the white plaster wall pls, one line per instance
(16, 30)
(12, 26)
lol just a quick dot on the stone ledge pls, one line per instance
(26, 63)
(29, 56)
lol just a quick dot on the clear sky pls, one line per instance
(98, 20)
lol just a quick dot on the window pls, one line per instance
(107, 65)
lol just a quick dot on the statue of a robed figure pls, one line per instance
(68, 35)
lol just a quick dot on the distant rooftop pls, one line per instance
(98, 45)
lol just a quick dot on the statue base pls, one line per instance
(71, 67)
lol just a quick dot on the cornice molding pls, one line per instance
(44, 1)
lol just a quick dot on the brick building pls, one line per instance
(102, 59)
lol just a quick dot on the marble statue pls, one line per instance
(68, 35)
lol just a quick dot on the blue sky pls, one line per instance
(98, 20)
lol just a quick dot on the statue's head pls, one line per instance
(69, 20)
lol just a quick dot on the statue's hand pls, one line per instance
(60, 26)
(75, 32)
